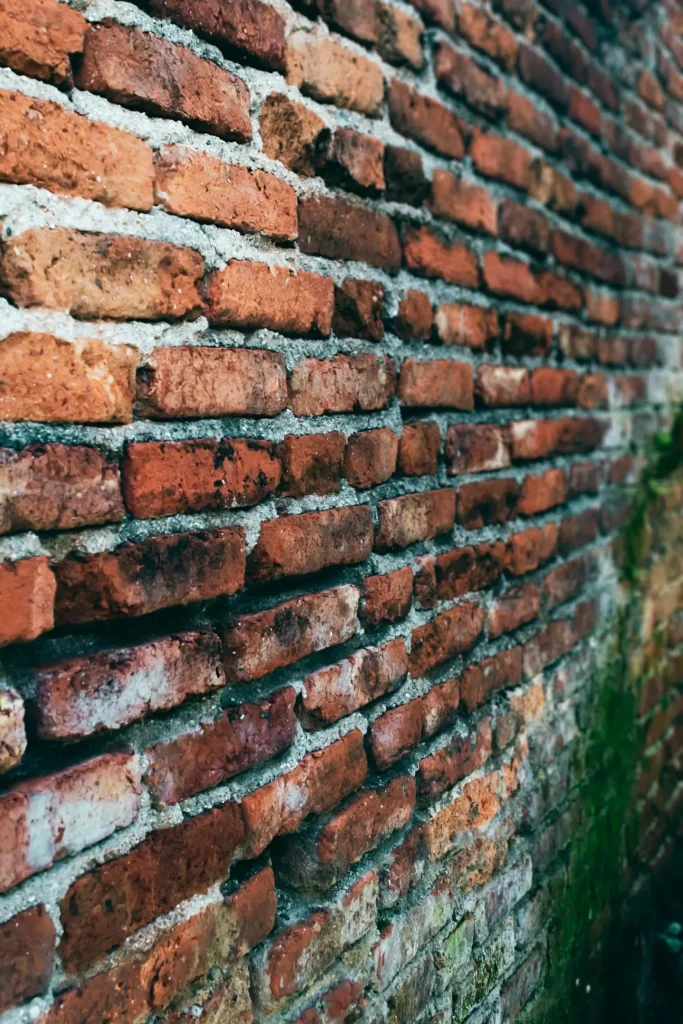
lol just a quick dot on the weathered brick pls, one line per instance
(460, 757)
(344, 231)
(415, 317)
(395, 732)
(489, 501)
(243, 736)
(351, 160)
(436, 383)
(551, 643)
(39, 41)
(49, 147)
(404, 177)
(27, 953)
(510, 278)
(448, 634)
(290, 133)
(252, 295)
(526, 334)
(57, 487)
(462, 202)
(480, 801)
(315, 859)
(264, 641)
(525, 118)
(141, 70)
(84, 695)
(163, 478)
(579, 530)
(330, 693)
(387, 598)
(503, 159)
(465, 80)
(93, 275)
(12, 730)
(414, 517)
(193, 184)
(342, 384)
(502, 386)
(476, 448)
(319, 781)
(79, 807)
(331, 73)
(564, 582)
(248, 27)
(533, 439)
(425, 120)
(302, 544)
(400, 36)
(187, 567)
(419, 447)
(187, 382)
(542, 492)
(370, 457)
(27, 592)
(538, 73)
(523, 228)
(513, 609)
(427, 253)
(461, 570)
(486, 33)
(312, 463)
(106, 905)
(440, 707)
(358, 308)
(473, 326)
(531, 548)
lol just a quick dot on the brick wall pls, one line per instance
(333, 340)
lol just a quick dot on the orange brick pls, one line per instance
(27, 590)
(252, 295)
(39, 39)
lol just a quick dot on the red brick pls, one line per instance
(193, 184)
(415, 318)
(583, 479)
(503, 159)
(579, 530)
(523, 228)
(358, 309)
(317, 860)
(413, 517)
(479, 682)
(564, 582)
(435, 383)
(602, 308)
(141, 70)
(427, 253)
(106, 905)
(241, 737)
(50, 147)
(476, 448)
(533, 439)
(576, 343)
(488, 34)
(319, 781)
(265, 641)
(12, 729)
(370, 457)
(27, 953)
(246, 26)
(579, 435)
(84, 695)
(330, 693)
(481, 799)
(79, 807)
(526, 334)
(418, 452)
(441, 12)
(57, 487)
(425, 120)
(140, 577)
(445, 636)
(536, 72)
(460, 757)
(550, 386)
(525, 118)
(542, 492)
(39, 41)
(462, 570)
(311, 463)
(585, 111)
(531, 548)
(331, 73)
(302, 544)
(586, 617)
(509, 277)
(344, 231)
(593, 391)
(46, 379)
(502, 386)
(394, 733)
(440, 707)
(464, 79)
(424, 585)
(356, 18)
(252, 295)
(400, 37)
(487, 502)
(290, 133)
(650, 90)
(464, 203)
(513, 609)
(387, 598)
(27, 593)
(555, 640)
(404, 176)
(553, 189)
(351, 160)
(164, 478)
(187, 382)
(473, 326)
(93, 275)
(341, 384)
